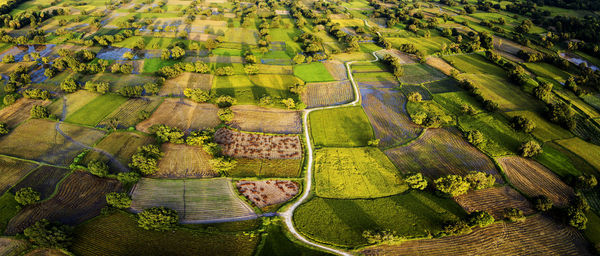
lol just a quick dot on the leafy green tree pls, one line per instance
(299, 58)
(9, 99)
(480, 218)
(542, 203)
(222, 164)
(27, 196)
(576, 218)
(530, 149)
(475, 137)
(456, 227)
(151, 88)
(98, 168)
(196, 94)
(8, 58)
(416, 181)
(211, 44)
(251, 69)
(201, 67)
(177, 52)
(415, 97)
(146, 159)
(128, 55)
(514, 215)
(479, 180)
(46, 234)
(69, 85)
(38, 112)
(586, 182)
(128, 178)
(4, 129)
(250, 59)
(118, 200)
(451, 185)
(224, 71)
(167, 134)
(225, 114)
(131, 91)
(521, 123)
(225, 101)
(289, 103)
(158, 219)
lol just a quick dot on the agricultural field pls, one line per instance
(96, 110)
(340, 127)
(12, 246)
(121, 145)
(131, 112)
(70, 205)
(263, 193)
(176, 86)
(355, 173)
(252, 145)
(439, 152)
(12, 170)
(494, 200)
(588, 151)
(181, 113)
(183, 161)
(268, 120)
(43, 180)
(267, 168)
(327, 94)
(19, 111)
(420, 73)
(534, 179)
(195, 200)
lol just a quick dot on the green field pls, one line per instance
(501, 138)
(340, 127)
(454, 101)
(563, 162)
(586, 150)
(93, 112)
(548, 70)
(474, 63)
(266, 168)
(545, 130)
(313, 72)
(8, 209)
(355, 173)
(278, 243)
(342, 221)
(420, 73)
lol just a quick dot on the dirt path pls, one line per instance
(289, 213)
(116, 162)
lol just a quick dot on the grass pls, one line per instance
(340, 127)
(75, 101)
(277, 243)
(563, 162)
(592, 230)
(586, 150)
(443, 86)
(8, 209)
(154, 64)
(501, 138)
(453, 102)
(355, 173)
(118, 234)
(313, 72)
(501, 91)
(93, 112)
(342, 221)
(474, 63)
(545, 130)
(420, 73)
(548, 70)
(428, 46)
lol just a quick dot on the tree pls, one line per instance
(98, 168)
(250, 59)
(38, 112)
(211, 44)
(224, 71)
(225, 114)
(452, 185)
(8, 58)
(151, 88)
(299, 58)
(576, 218)
(158, 219)
(456, 227)
(177, 52)
(521, 123)
(562, 113)
(128, 178)
(196, 94)
(514, 215)
(128, 55)
(167, 134)
(416, 181)
(46, 234)
(4, 129)
(586, 182)
(530, 149)
(146, 159)
(225, 101)
(479, 180)
(69, 85)
(251, 69)
(542, 203)
(289, 103)
(222, 164)
(475, 137)
(480, 218)
(415, 97)
(9, 99)
(27, 196)
(118, 200)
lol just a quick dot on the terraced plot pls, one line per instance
(268, 120)
(196, 200)
(386, 110)
(12, 170)
(494, 201)
(536, 234)
(183, 161)
(534, 179)
(183, 115)
(327, 94)
(80, 197)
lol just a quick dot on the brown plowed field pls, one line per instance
(11, 171)
(250, 145)
(327, 94)
(177, 85)
(494, 201)
(80, 197)
(534, 179)
(183, 161)
(269, 120)
(19, 111)
(267, 192)
(336, 69)
(183, 114)
(440, 65)
(537, 235)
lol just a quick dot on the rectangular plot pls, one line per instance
(130, 112)
(443, 86)
(11, 171)
(327, 94)
(43, 180)
(420, 73)
(248, 167)
(408, 89)
(494, 200)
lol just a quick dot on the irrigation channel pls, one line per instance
(288, 215)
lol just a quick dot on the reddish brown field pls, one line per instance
(183, 161)
(80, 197)
(250, 145)
(534, 179)
(183, 114)
(537, 235)
(269, 120)
(267, 192)
(494, 201)
(19, 111)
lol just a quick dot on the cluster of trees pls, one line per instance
(39, 112)
(461, 227)
(158, 219)
(488, 104)
(455, 185)
(49, 235)
(395, 64)
(36, 93)
(175, 52)
(178, 68)
(98, 168)
(118, 200)
(26, 196)
(4, 129)
(145, 160)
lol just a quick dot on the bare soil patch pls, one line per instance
(494, 201)
(183, 161)
(12, 246)
(440, 65)
(269, 120)
(252, 145)
(267, 192)
(183, 114)
(534, 179)
(11, 171)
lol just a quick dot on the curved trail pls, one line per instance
(116, 162)
(289, 213)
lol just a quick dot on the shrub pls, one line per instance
(98, 168)
(225, 114)
(416, 181)
(151, 88)
(514, 215)
(521, 123)
(128, 178)
(576, 218)
(4, 129)
(224, 71)
(530, 149)
(46, 234)
(69, 85)
(146, 159)
(373, 143)
(197, 95)
(9, 99)
(27, 196)
(479, 180)
(158, 218)
(251, 69)
(289, 103)
(542, 203)
(586, 182)
(39, 112)
(225, 101)
(452, 185)
(118, 200)
(458, 227)
(475, 137)
(480, 218)
(131, 91)
(415, 97)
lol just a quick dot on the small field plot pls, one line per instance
(375, 80)
(534, 179)
(343, 221)
(386, 109)
(549, 71)
(327, 94)
(544, 130)
(74, 102)
(454, 102)
(270, 120)
(196, 200)
(586, 150)
(19, 111)
(494, 200)
(420, 73)
(474, 63)
(80, 197)
(440, 65)
(240, 87)
(183, 114)
(501, 138)
(11, 171)
(263, 193)
(500, 90)
(122, 145)
(313, 72)
(340, 127)
(355, 173)
(93, 112)
(183, 161)
(131, 112)
(252, 145)
(278, 242)
(428, 46)
(266, 168)
(563, 162)
(13, 246)
(43, 180)
(537, 234)
(45, 143)
(47, 252)
(337, 69)
(443, 86)
(177, 85)
(97, 238)
(441, 152)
